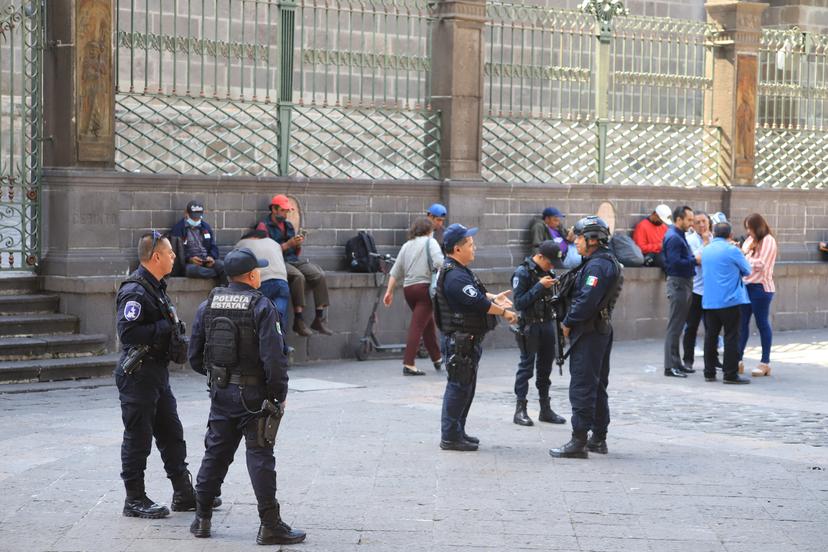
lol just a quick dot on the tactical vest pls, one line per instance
(607, 304)
(448, 321)
(231, 339)
(541, 309)
(156, 350)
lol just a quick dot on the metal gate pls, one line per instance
(21, 117)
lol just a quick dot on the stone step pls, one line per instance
(57, 369)
(52, 346)
(15, 285)
(37, 324)
(28, 303)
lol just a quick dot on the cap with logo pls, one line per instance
(437, 210)
(241, 261)
(664, 213)
(550, 250)
(281, 200)
(553, 212)
(454, 233)
(195, 207)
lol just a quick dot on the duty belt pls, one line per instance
(238, 379)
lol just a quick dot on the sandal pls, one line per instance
(761, 369)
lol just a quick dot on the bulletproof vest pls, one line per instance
(231, 339)
(157, 350)
(448, 321)
(541, 309)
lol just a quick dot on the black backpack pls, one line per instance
(357, 253)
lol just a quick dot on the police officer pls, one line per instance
(237, 341)
(151, 336)
(532, 292)
(593, 290)
(464, 312)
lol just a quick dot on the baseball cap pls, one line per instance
(718, 217)
(281, 200)
(241, 261)
(454, 233)
(550, 250)
(664, 213)
(552, 212)
(195, 207)
(437, 210)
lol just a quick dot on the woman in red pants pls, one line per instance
(418, 259)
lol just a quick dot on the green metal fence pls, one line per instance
(792, 110)
(21, 42)
(260, 87)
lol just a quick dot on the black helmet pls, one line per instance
(592, 227)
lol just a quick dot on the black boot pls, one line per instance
(575, 448)
(184, 497)
(275, 531)
(137, 504)
(201, 525)
(547, 414)
(597, 443)
(521, 416)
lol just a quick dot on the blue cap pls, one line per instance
(437, 210)
(552, 212)
(454, 233)
(241, 261)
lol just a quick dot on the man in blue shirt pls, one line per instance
(198, 242)
(680, 266)
(723, 266)
(464, 312)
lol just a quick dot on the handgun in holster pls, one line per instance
(460, 365)
(268, 423)
(134, 359)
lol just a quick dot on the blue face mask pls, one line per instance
(192, 222)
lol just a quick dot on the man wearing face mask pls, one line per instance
(198, 245)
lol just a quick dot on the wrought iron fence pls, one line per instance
(792, 108)
(226, 87)
(21, 42)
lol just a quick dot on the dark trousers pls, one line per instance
(694, 318)
(422, 324)
(714, 321)
(228, 423)
(302, 274)
(679, 291)
(149, 410)
(458, 397)
(589, 376)
(544, 334)
(759, 307)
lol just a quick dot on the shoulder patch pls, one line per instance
(515, 282)
(132, 310)
(591, 281)
(470, 290)
(228, 301)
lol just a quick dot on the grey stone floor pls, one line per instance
(693, 466)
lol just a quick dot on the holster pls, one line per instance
(178, 348)
(268, 423)
(219, 376)
(460, 365)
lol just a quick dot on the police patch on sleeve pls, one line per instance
(470, 290)
(515, 282)
(591, 281)
(132, 310)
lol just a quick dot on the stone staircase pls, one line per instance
(39, 344)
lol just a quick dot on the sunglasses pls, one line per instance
(156, 235)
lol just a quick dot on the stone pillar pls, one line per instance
(457, 85)
(735, 82)
(78, 84)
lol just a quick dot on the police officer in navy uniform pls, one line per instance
(532, 294)
(237, 341)
(464, 312)
(148, 329)
(595, 287)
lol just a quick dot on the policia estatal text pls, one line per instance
(464, 312)
(237, 342)
(594, 288)
(151, 335)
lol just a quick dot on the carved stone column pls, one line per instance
(78, 73)
(457, 85)
(735, 70)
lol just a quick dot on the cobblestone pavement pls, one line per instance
(693, 466)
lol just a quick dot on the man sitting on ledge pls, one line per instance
(201, 254)
(300, 272)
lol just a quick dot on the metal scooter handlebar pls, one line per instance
(383, 257)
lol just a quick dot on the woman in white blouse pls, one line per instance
(418, 259)
(760, 250)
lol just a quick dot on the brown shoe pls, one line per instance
(300, 329)
(761, 369)
(741, 367)
(321, 326)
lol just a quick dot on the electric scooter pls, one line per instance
(369, 343)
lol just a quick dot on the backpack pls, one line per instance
(626, 250)
(357, 253)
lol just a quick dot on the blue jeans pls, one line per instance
(279, 294)
(759, 307)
